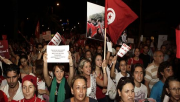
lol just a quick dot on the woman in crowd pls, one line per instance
(171, 90)
(122, 67)
(58, 86)
(134, 60)
(25, 69)
(125, 90)
(101, 78)
(29, 88)
(40, 80)
(85, 70)
(79, 89)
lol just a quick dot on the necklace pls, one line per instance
(34, 100)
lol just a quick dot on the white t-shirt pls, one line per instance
(17, 96)
(110, 81)
(3, 83)
(118, 76)
(41, 85)
(140, 92)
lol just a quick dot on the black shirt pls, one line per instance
(67, 90)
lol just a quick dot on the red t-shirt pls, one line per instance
(132, 61)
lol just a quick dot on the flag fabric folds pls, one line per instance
(117, 17)
(37, 31)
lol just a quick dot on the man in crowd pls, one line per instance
(13, 89)
(164, 71)
(163, 49)
(151, 71)
(145, 57)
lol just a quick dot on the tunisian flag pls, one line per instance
(117, 17)
(37, 31)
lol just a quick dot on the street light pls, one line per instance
(57, 4)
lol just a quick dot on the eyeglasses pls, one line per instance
(175, 89)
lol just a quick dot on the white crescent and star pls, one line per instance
(110, 15)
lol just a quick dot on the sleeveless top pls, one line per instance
(99, 89)
(91, 91)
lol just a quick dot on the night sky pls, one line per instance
(165, 14)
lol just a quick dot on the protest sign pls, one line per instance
(57, 54)
(4, 52)
(123, 50)
(55, 40)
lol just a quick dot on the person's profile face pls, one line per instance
(28, 89)
(79, 89)
(12, 79)
(167, 72)
(127, 93)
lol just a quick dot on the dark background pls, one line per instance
(159, 17)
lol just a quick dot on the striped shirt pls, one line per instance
(151, 74)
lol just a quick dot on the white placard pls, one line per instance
(123, 50)
(130, 40)
(161, 39)
(109, 46)
(57, 54)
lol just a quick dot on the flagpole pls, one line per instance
(105, 45)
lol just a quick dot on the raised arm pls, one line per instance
(5, 60)
(112, 73)
(71, 69)
(47, 78)
(41, 52)
(104, 82)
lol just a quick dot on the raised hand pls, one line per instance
(70, 59)
(45, 57)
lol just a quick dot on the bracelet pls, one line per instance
(71, 66)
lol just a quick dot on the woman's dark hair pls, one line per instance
(134, 66)
(39, 69)
(166, 85)
(78, 77)
(123, 81)
(23, 56)
(163, 66)
(12, 67)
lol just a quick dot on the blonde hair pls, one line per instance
(81, 65)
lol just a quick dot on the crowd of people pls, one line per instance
(143, 74)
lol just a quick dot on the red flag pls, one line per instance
(177, 41)
(37, 31)
(117, 17)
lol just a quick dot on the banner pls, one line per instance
(95, 21)
(161, 39)
(4, 52)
